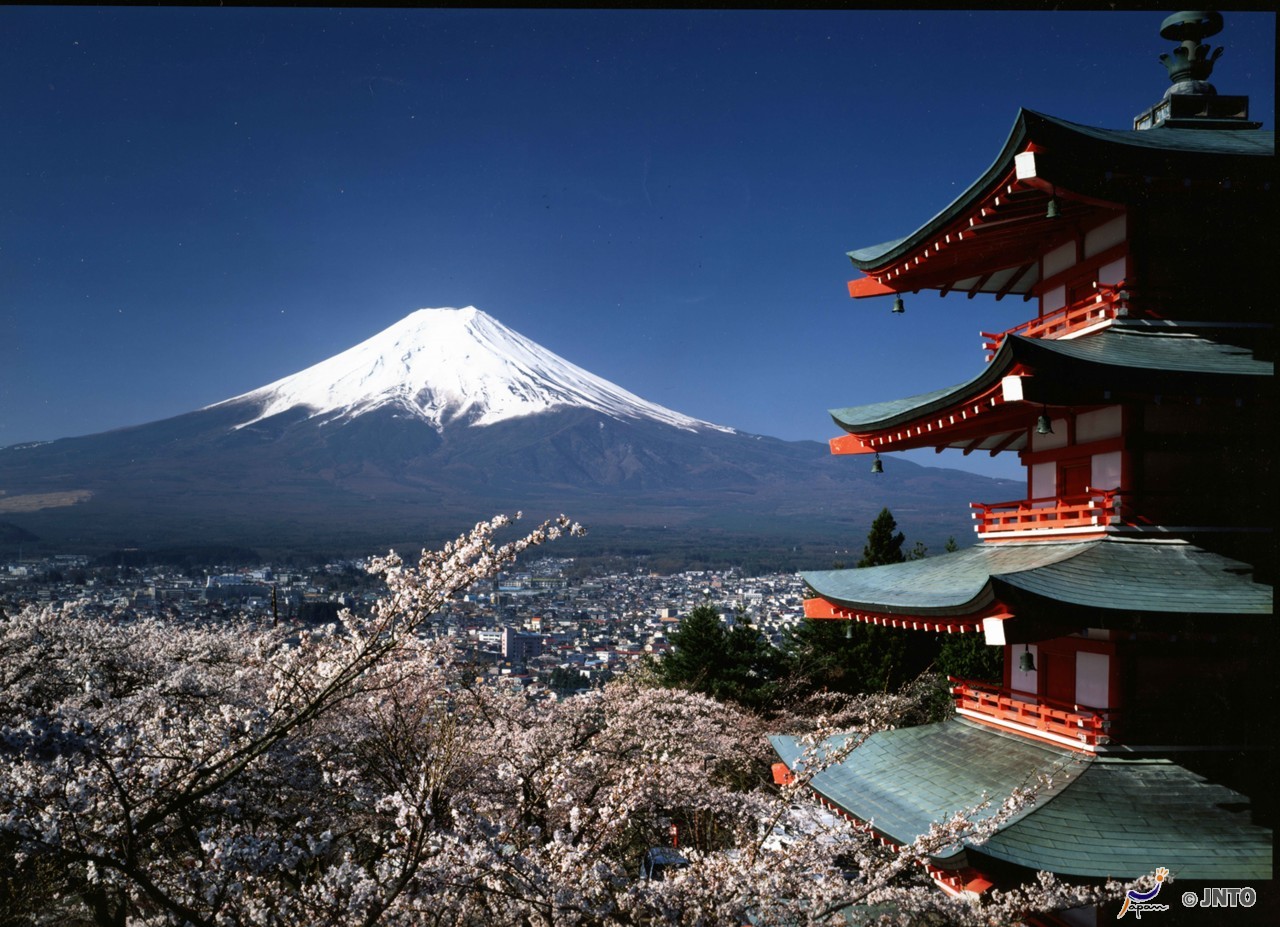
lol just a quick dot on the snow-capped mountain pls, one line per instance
(446, 366)
(444, 418)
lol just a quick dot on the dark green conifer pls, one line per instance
(735, 664)
(883, 545)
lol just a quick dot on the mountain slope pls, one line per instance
(442, 419)
(445, 366)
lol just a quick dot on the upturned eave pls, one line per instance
(993, 410)
(989, 239)
(1112, 583)
(1093, 816)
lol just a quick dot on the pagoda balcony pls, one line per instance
(1079, 726)
(1105, 304)
(1089, 513)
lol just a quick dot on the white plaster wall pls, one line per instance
(1093, 679)
(1104, 236)
(1112, 273)
(1059, 259)
(1098, 424)
(1018, 680)
(1044, 480)
(1041, 442)
(1105, 472)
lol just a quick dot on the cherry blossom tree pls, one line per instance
(161, 773)
(178, 773)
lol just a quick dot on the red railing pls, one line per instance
(1102, 305)
(1095, 508)
(1089, 727)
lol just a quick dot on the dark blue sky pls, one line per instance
(197, 201)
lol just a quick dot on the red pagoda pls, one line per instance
(1130, 591)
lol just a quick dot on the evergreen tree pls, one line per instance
(565, 680)
(969, 657)
(751, 667)
(697, 650)
(736, 665)
(844, 656)
(883, 546)
(853, 657)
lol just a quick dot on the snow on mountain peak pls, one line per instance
(445, 365)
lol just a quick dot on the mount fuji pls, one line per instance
(450, 366)
(436, 422)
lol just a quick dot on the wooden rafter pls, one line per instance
(1003, 445)
(1017, 275)
(824, 609)
(974, 420)
(1010, 216)
(982, 281)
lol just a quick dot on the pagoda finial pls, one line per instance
(1191, 102)
(1191, 61)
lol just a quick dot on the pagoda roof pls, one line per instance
(1121, 813)
(903, 780)
(992, 233)
(957, 583)
(1153, 346)
(1102, 581)
(1099, 816)
(1136, 357)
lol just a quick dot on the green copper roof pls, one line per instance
(955, 583)
(894, 411)
(1137, 576)
(1138, 355)
(1123, 817)
(1211, 142)
(1160, 347)
(869, 254)
(1108, 579)
(1099, 816)
(901, 781)
(1185, 152)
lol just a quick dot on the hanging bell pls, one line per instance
(1043, 425)
(897, 304)
(1053, 210)
(876, 465)
(1027, 662)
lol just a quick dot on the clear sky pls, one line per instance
(197, 201)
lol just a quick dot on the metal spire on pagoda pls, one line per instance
(1192, 102)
